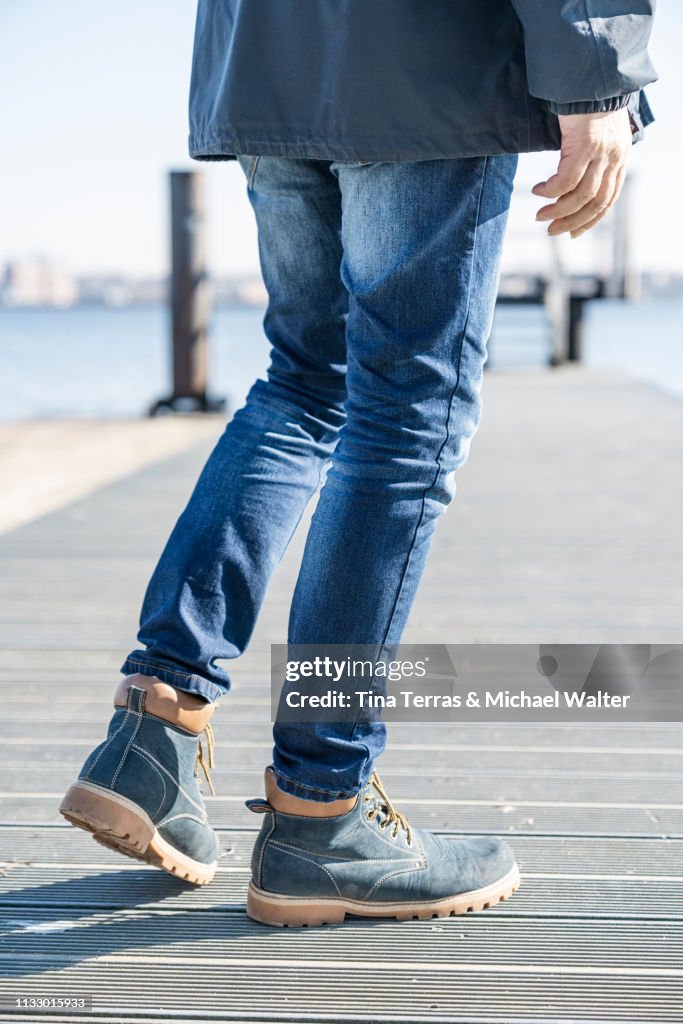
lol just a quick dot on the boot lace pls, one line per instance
(206, 761)
(391, 817)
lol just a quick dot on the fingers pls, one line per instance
(590, 172)
(577, 232)
(594, 208)
(588, 203)
(575, 200)
(570, 171)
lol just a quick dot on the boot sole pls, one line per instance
(121, 825)
(295, 912)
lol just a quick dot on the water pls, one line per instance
(115, 362)
(89, 361)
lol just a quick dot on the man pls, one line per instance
(379, 139)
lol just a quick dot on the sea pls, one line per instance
(89, 361)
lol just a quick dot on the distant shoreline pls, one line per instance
(120, 306)
(250, 294)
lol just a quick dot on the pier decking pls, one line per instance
(566, 528)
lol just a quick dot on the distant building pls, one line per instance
(38, 281)
(118, 290)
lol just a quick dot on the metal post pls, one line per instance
(623, 281)
(556, 300)
(189, 298)
(575, 340)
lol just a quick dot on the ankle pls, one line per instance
(287, 803)
(164, 701)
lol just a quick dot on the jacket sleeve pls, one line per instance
(586, 56)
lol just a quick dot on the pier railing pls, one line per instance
(564, 294)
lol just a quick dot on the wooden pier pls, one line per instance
(566, 528)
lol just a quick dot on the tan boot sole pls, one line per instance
(121, 825)
(294, 912)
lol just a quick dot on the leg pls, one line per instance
(206, 592)
(138, 791)
(422, 243)
(421, 248)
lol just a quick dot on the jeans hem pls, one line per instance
(185, 681)
(306, 792)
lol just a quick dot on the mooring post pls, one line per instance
(557, 302)
(189, 298)
(575, 340)
(623, 280)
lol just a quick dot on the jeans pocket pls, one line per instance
(252, 171)
(248, 165)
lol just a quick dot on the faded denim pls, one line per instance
(382, 280)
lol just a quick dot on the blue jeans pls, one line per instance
(382, 280)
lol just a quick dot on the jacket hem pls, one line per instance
(232, 142)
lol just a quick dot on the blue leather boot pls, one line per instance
(363, 858)
(138, 791)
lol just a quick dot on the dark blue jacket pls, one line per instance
(410, 79)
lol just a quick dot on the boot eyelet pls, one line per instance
(382, 826)
(370, 815)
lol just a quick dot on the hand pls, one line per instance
(595, 149)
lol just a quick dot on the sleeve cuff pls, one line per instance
(590, 106)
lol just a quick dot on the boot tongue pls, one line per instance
(381, 808)
(376, 802)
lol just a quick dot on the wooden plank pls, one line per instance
(129, 886)
(238, 755)
(471, 819)
(596, 931)
(447, 791)
(72, 935)
(232, 988)
(562, 855)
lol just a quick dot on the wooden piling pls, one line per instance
(189, 297)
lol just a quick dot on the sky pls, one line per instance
(93, 101)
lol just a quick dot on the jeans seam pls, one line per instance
(252, 172)
(163, 668)
(449, 410)
(188, 677)
(338, 794)
(461, 345)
